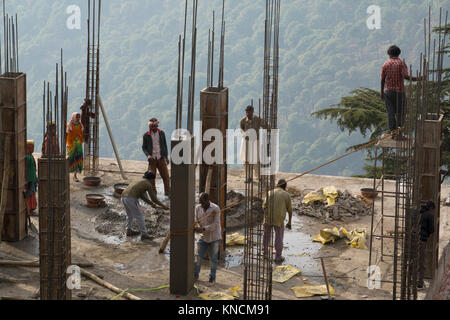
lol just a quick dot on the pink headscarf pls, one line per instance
(74, 121)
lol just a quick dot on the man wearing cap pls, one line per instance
(282, 203)
(426, 229)
(250, 155)
(130, 199)
(155, 148)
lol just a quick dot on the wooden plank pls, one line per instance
(5, 178)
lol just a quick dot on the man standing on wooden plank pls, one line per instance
(393, 74)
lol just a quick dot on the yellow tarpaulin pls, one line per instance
(310, 291)
(330, 235)
(235, 239)
(356, 237)
(230, 294)
(325, 195)
(284, 273)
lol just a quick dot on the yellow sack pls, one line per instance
(330, 194)
(357, 238)
(314, 196)
(221, 295)
(309, 291)
(325, 195)
(230, 294)
(282, 274)
(235, 239)
(329, 235)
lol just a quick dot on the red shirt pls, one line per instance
(394, 72)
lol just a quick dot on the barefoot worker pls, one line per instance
(75, 132)
(130, 199)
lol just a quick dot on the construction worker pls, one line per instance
(250, 121)
(393, 74)
(130, 199)
(426, 229)
(207, 217)
(32, 180)
(155, 148)
(85, 115)
(50, 146)
(282, 203)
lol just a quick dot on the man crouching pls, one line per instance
(130, 199)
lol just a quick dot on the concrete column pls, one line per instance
(182, 204)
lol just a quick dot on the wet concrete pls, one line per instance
(299, 250)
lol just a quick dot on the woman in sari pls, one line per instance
(75, 132)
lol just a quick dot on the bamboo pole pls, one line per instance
(164, 243)
(100, 102)
(108, 285)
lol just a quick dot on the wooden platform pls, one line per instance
(395, 144)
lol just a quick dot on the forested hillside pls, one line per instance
(326, 51)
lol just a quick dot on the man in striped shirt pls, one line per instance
(393, 74)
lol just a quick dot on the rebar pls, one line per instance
(258, 252)
(91, 143)
(407, 157)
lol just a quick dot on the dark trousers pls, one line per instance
(395, 107)
(279, 235)
(422, 247)
(161, 165)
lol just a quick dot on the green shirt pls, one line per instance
(281, 204)
(139, 189)
(31, 169)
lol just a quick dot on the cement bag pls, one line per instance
(282, 274)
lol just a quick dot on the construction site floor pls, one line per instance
(129, 263)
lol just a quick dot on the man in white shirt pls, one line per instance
(207, 222)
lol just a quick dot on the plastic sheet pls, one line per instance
(282, 274)
(306, 291)
(235, 239)
(325, 195)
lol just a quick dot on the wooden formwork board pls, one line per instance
(431, 185)
(13, 122)
(214, 115)
(54, 226)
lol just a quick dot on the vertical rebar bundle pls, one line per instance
(91, 154)
(401, 246)
(180, 82)
(211, 52)
(10, 61)
(258, 255)
(54, 207)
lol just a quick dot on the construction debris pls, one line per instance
(282, 274)
(329, 204)
(236, 215)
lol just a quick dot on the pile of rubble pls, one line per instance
(346, 207)
(236, 215)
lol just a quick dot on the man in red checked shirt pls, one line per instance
(393, 74)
